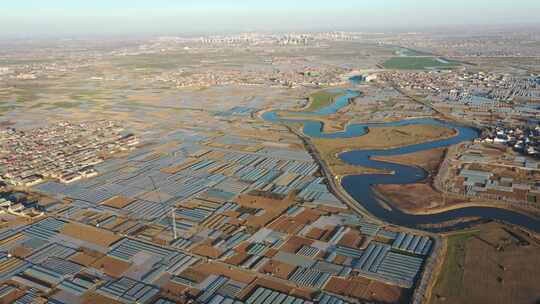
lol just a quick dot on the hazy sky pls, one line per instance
(182, 16)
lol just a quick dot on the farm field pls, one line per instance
(491, 264)
(321, 99)
(417, 63)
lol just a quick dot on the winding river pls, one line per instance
(359, 187)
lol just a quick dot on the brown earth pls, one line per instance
(351, 239)
(340, 259)
(382, 293)
(294, 243)
(90, 234)
(174, 291)
(111, 266)
(428, 160)
(118, 202)
(354, 288)
(315, 233)
(415, 198)
(20, 251)
(194, 275)
(237, 259)
(277, 269)
(287, 225)
(206, 249)
(85, 258)
(273, 208)
(489, 265)
(96, 298)
(420, 197)
(236, 274)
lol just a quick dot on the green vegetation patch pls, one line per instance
(65, 104)
(451, 277)
(418, 63)
(321, 99)
(6, 108)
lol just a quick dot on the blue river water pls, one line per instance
(360, 188)
(358, 79)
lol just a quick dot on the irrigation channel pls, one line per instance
(359, 187)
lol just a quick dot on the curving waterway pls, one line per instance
(360, 187)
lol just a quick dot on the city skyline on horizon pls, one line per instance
(31, 17)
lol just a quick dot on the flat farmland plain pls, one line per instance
(492, 264)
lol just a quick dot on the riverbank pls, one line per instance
(334, 182)
(359, 187)
(329, 123)
(428, 160)
(419, 194)
(376, 138)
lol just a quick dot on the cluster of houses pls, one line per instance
(487, 184)
(18, 204)
(278, 76)
(523, 140)
(64, 151)
(454, 86)
(487, 171)
(479, 97)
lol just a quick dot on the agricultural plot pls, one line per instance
(492, 264)
(418, 63)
